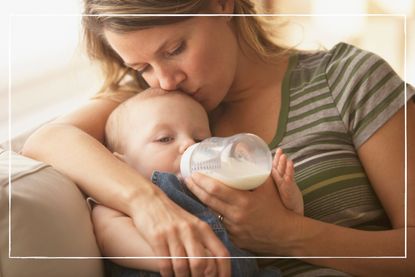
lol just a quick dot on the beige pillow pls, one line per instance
(49, 218)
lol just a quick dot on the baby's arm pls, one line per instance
(117, 236)
(283, 175)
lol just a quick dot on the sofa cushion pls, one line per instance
(49, 218)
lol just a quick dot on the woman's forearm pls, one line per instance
(168, 229)
(320, 239)
(86, 161)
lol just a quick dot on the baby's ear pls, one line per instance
(119, 156)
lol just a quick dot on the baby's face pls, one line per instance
(160, 130)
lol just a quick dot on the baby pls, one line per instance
(150, 132)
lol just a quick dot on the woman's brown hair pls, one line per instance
(118, 16)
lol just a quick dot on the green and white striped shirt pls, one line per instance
(332, 102)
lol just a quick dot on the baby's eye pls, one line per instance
(165, 139)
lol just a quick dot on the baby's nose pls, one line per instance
(186, 144)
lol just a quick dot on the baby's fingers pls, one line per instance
(289, 172)
(276, 159)
(276, 172)
(282, 165)
(278, 180)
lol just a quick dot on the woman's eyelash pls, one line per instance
(141, 71)
(177, 50)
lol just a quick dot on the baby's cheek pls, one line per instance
(146, 171)
(145, 167)
(167, 165)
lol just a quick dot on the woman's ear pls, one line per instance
(119, 156)
(223, 6)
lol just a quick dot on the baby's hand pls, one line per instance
(283, 175)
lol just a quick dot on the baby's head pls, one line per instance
(151, 130)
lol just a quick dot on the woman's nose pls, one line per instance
(170, 79)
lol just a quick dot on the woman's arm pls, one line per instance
(383, 159)
(247, 215)
(72, 145)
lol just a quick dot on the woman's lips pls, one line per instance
(197, 96)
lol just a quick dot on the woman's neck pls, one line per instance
(254, 105)
(253, 101)
(254, 74)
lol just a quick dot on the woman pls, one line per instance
(338, 115)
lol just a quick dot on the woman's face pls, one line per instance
(197, 56)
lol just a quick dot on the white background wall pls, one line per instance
(50, 75)
(42, 58)
(378, 26)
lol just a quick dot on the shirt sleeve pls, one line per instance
(365, 89)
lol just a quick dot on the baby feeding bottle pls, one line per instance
(242, 161)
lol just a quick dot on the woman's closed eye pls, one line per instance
(141, 70)
(176, 50)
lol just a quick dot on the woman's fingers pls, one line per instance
(172, 265)
(208, 242)
(196, 253)
(204, 193)
(173, 232)
(161, 249)
(210, 188)
(211, 269)
(180, 263)
(186, 243)
(223, 264)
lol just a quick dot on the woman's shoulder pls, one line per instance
(323, 57)
(342, 61)
(344, 55)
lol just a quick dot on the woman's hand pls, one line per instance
(252, 218)
(173, 232)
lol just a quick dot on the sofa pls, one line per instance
(48, 220)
